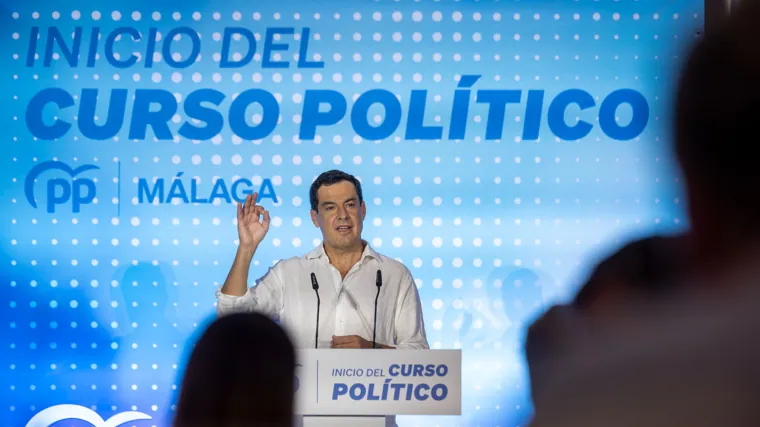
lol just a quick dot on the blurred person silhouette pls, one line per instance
(689, 356)
(644, 268)
(146, 295)
(241, 373)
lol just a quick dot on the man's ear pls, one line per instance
(364, 210)
(314, 218)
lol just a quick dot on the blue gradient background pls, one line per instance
(488, 259)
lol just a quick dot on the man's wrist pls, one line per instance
(246, 252)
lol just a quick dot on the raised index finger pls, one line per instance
(247, 205)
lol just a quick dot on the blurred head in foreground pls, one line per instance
(717, 111)
(666, 369)
(241, 373)
(642, 269)
(638, 272)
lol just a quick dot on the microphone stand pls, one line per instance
(315, 286)
(378, 283)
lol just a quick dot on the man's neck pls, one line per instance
(345, 259)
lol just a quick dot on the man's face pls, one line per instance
(339, 215)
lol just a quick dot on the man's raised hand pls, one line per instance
(252, 228)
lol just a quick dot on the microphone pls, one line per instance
(315, 286)
(378, 283)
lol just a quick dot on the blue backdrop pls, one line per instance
(104, 280)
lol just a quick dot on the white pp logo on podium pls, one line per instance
(379, 382)
(54, 414)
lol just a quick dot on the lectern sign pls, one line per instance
(379, 382)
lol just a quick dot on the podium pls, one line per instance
(361, 388)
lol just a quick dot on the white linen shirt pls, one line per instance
(286, 295)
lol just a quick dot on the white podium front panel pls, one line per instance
(379, 382)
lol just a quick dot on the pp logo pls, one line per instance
(54, 414)
(80, 191)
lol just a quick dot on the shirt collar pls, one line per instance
(368, 252)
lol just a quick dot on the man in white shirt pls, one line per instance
(346, 268)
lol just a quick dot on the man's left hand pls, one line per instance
(350, 341)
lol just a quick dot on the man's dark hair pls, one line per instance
(717, 114)
(329, 178)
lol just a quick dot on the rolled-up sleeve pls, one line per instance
(410, 326)
(265, 297)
